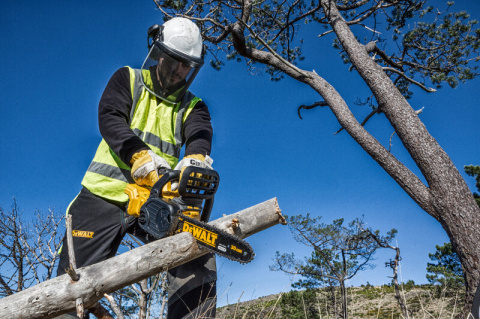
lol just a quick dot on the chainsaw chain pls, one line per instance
(228, 239)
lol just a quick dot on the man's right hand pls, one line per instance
(197, 160)
(145, 167)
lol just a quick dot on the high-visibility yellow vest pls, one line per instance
(159, 125)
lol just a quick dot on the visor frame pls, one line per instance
(191, 61)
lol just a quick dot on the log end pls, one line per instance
(278, 211)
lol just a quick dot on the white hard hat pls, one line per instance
(183, 35)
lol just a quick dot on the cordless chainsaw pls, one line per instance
(160, 212)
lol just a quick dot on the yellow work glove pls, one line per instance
(195, 160)
(192, 160)
(145, 165)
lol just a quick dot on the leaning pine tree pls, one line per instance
(417, 45)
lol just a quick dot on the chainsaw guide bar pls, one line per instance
(217, 241)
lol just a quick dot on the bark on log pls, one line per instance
(57, 296)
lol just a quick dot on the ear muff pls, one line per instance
(204, 51)
(155, 33)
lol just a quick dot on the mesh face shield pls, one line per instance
(171, 72)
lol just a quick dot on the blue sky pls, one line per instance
(56, 58)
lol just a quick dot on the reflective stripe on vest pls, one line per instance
(159, 125)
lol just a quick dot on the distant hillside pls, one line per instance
(363, 302)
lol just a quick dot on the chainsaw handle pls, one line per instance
(207, 210)
(168, 176)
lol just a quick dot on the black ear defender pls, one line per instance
(155, 33)
(204, 50)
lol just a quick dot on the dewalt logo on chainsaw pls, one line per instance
(200, 234)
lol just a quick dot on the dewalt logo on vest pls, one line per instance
(201, 234)
(82, 233)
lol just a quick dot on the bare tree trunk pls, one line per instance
(398, 296)
(100, 312)
(394, 265)
(143, 300)
(163, 280)
(343, 291)
(115, 307)
(57, 296)
(334, 295)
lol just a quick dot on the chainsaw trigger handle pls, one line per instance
(197, 182)
(168, 176)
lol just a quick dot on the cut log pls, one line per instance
(58, 295)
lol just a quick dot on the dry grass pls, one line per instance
(364, 302)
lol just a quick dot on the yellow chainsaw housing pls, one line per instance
(137, 195)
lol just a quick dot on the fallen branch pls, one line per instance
(100, 312)
(115, 307)
(71, 253)
(58, 295)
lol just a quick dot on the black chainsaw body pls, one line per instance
(158, 217)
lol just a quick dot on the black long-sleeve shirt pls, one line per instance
(114, 116)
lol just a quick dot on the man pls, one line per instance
(145, 117)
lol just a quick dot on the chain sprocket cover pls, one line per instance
(158, 218)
